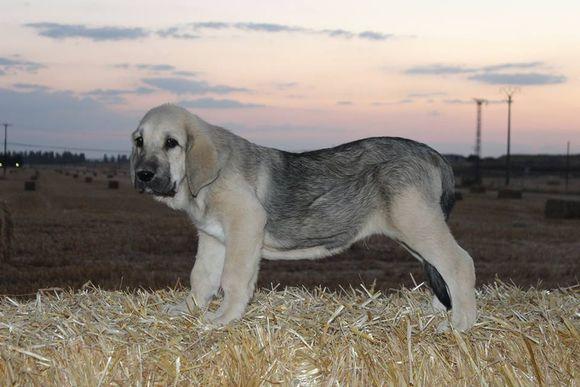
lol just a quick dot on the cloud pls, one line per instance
(344, 103)
(427, 94)
(174, 32)
(8, 65)
(445, 69)
(285, 85)
(194, 29)
(190, 86)
(62, 118)
(31, 87)
(185, 73)
(522, 79)
(439, 69)
(372, 35)
(116, 96)
(516, 65)
(403, 101)
(65, 31)
(190, 31)
(155, 67)
(470, 101)
(494, 74)
(211, 103)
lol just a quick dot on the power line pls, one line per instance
(479, 102)
(509, 92)
(6, 125)
(68, 148)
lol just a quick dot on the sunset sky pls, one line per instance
(296, 75)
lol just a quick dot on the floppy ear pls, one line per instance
(202, 162)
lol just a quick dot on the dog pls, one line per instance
(250, 202)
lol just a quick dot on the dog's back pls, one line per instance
(324, 197)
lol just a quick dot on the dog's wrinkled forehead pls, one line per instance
(160, 123)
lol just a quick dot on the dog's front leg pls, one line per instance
(204, 277)
(244, 238)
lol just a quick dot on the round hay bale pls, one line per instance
(509, 194)
(88, 179)
(30, 186)
(477, 189)
(6, 233)
(562, 209)
(113, 184)
(458, 196)
(75, 176)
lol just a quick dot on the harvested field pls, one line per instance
(292, 337)
(68, 232)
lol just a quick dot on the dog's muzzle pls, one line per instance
(148, 181)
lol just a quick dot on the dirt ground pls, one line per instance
(69, 232)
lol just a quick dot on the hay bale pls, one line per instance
(6, 233)
(477, 189)
(75, 176)
(113, 184)
(290, 336)
(30, 186)
(509, 194)
(458, 196)
(88, 179)
(562, 209)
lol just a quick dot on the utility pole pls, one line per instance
(567, 164)
(509, 92)
(479, 102)
(5, 163)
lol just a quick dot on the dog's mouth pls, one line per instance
(169, 193)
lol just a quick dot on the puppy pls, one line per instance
(250, 202)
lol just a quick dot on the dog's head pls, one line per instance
(172, 151)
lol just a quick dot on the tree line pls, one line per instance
(56, 158)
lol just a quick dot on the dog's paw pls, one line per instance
(186, 306)
(222, 317)
(176, 309)
(437, 306)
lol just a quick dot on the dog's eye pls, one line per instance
(139, 142)
(171, 143)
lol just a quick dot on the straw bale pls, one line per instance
(290, 336)
(509, 194)
(562, 209)
(477, 189)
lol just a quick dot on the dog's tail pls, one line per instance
(434, 278)
(437, 284)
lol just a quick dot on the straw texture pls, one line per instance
(290, 337)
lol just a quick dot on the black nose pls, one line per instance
(145, 175)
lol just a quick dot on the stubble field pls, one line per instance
(69, 232)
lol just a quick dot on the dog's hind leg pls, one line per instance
(421, 227)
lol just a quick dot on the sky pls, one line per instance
(295, 75)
